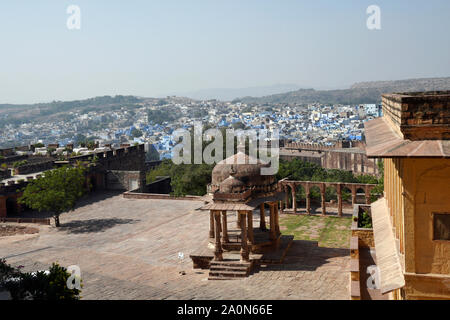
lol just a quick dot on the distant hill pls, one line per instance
(228, 94)
(363, 92)
(19, 113)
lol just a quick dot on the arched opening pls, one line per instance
(346, 195)
(360, 195)
(300, 196)
(331, 194)
(315, 194)
(11, 206)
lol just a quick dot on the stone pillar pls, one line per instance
(308, 199)
(224, 227)
(262, 217)
(238, 220)
(211, 224)
(286, 198)
(362, 163)
(218, 247)
(339, 196)
(250, 227)
(244, 245)
(322, 198)
(294, 201)
(277, 221)
(353, 195)
(272, 222)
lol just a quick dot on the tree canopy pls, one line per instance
(56, 192)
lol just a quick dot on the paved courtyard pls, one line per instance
(128, 249)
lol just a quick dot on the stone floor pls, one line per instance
(129, 249)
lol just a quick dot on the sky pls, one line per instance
(153, 48)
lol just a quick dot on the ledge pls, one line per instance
(388, 261)
(384, 142)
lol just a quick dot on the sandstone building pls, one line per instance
(411, 224)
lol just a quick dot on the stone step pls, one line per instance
(234, 274)
(229, 268)
(223, 278)
(231, 263)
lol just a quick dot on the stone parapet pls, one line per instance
(419, 115)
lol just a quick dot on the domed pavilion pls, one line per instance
(237, 186)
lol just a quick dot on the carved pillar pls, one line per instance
(224, 227)
(218, 247)
(353, 195)
(272, 221)
(286, 198)
(238, 220)
(250, 227)
(308, 199)
(277, 221)
(339, 196)
(244, 245)
(322, 198)
(262, 217)
(211, 224)
(294, 201)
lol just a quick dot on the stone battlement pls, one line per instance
(419, 115)
(127, 158)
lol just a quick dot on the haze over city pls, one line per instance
(155, 48)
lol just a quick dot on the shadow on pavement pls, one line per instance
(93, 225)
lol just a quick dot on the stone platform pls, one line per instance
(231, 267)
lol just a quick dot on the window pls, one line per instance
(441, 226)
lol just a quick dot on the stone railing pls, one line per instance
(284, 185)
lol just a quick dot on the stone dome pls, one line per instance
(231, 185)
(241, 172)
(240, 165)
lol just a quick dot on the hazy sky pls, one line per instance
(152, 47)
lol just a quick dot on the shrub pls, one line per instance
(365, 220)
(51, 285)
(19, 163)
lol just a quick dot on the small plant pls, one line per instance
(365, 220)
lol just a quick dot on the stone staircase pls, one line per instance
(229, 270)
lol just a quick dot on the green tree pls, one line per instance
(56, 192)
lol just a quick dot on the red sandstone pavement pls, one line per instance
(128, 249)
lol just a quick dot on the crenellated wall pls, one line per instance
(120, 169)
